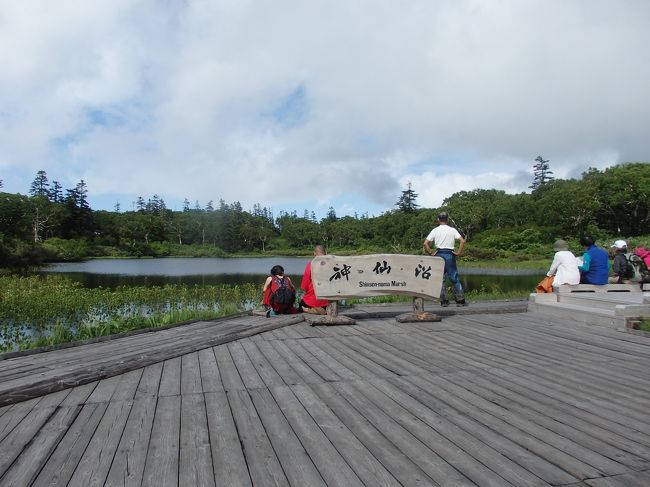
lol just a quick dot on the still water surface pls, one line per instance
(111, 273)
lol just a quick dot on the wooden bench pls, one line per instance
(605, 288)
(336, 278)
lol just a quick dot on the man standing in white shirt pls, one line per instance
(444, 238)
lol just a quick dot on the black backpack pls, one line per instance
(283, 294)
(637, 268)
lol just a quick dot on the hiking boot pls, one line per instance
(444, 303)
(268, 313)
(461, 303)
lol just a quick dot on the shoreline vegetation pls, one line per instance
(51, 310)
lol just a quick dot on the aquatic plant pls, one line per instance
(39, 311)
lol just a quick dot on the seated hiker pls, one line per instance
(595, 262)
(279, 293)
(309, 302)
(564, 267)
(622, 269)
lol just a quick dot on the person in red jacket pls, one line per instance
(309, 302)
(279, 293)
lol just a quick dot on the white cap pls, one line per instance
(620, 244)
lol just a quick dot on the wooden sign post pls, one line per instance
(337, 278)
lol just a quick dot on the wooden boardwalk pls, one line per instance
(487, 400)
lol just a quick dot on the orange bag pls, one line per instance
(546, 285)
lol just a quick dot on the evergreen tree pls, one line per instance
(55, 194)
(186, 205)
(406, 202)
(140, 204)
(116, 208)
(331, 214)
(541, 173)
(40, 185)
(209, 206)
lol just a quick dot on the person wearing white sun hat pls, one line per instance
(621, 267)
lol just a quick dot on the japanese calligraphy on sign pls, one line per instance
(337, 277)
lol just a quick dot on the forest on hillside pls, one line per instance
(50, 223)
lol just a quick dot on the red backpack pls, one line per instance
(644, 254)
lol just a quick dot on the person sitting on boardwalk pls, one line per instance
(444, 238)
(595, 262)
(310, 302)
(621, 267)
(279, 293)
(564, 266)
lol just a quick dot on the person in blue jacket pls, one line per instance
(595, 262)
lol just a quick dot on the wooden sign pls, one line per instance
(337, 277)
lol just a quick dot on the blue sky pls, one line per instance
(307, 105)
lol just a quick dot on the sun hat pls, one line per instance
(560, 245)
(620, 244)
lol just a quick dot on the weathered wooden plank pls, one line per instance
(547, 446)
(312, 361)
(229, 374)
(632, 479)
(470, 437)
(128, 464)
(295, 461)
(79, 394)
(15, 415)
(289, 376)
(195, 462)
(629, 417)
(161, 466)
(329, 462)
(346, 362)
(127, 386)
(264, 368)
(380, 357)
(85, 369)
(104, 390)
(96, 461)
(228, 460)
(302, 369)
(14, 442)
(572, 427)
(331, 363)
(263, 464)
(553, 406)
(63, 461)
(405, 358)
(422, 443)
(150, 381)
(368, 468)
(339, 344)
(25, 468)
(191, 374)
(247, 372)
(414, 344)
(170, 380)
(390, 455)
(210, 377)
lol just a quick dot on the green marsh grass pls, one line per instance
(37, 311)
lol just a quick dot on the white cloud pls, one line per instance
(194, 99)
